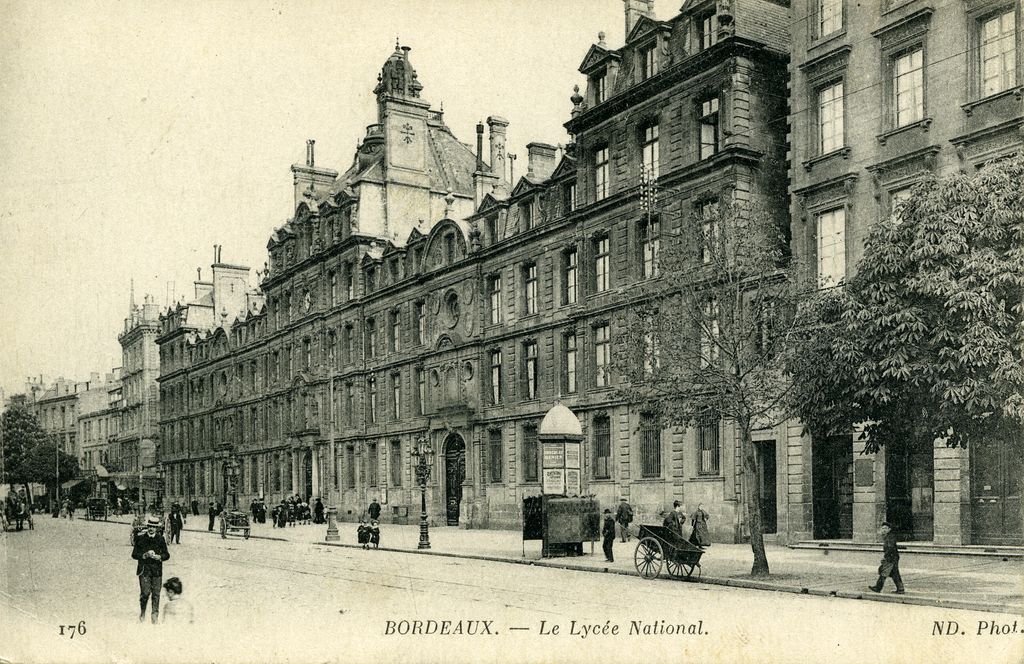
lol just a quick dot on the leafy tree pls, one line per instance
(706, 340)
(21, 433)
(926, 341)
(30, 455)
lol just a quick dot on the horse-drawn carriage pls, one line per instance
(96, 508)
(659, 546)
(234, 521)
(16, 514)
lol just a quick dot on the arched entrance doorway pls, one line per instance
(454, 475)
(307, 474)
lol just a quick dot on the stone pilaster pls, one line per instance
(868, 491)
(952, 494)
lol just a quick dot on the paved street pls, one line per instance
(261, 600)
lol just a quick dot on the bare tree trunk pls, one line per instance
(753, 494)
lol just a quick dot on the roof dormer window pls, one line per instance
(598, 86)
(707, 30)
(648, 61)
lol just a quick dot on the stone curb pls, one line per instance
(709, 580)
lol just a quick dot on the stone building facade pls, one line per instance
(136, 440)
(884, 92)
(420, 294)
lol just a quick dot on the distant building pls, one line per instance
(137, 439)
(884, 93)
(98, 423)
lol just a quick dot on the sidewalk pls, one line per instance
(950, 581)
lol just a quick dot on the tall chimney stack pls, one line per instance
(479, 146)
(309, 152)
(498, 125)
(635, 9)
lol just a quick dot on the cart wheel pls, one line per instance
(648, 557)
(674, 568)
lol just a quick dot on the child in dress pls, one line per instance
(177, 610)
(363, 533)
(374, 534)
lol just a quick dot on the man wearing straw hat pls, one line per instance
(150, 550)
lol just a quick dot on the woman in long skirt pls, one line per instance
(700, 535)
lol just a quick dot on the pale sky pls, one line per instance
(136, 135)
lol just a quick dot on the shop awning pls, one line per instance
(101, 471)
(121, 487)
(70, 483)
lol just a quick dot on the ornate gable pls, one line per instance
(596, 57)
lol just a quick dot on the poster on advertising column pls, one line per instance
(554, 455)
(572, 482)
(553, 481)
(572, 455)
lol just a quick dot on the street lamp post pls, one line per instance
(425, 459)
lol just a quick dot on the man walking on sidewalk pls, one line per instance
(890, 566)
(624, 517)
(608, 532)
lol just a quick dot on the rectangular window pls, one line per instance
(830, 16)
(333, 278)
(648, 62)
(395, 330)
(350, 404)
(598, 84)
(998, 58)
(350, 285)
(570, 276)
(830, 118)
(709, 333)
(421, 322)
(396, 396)
(347, 342)
(496, 455)
(495, 377)
(350, 467)
(708, 444)
(569, 203)
(651, 153)
(371, 279)
(831, 247)
(569, 362)
(421, 391)
(276, 363)
(530, 288)
(602, 447)
(709, 134)
(332, 351)
(908, 87)
(530, 368)
(531, 455)
(494, 297)
(602, 356)
(306, 354)
(601, 174)
(371, 400)
(708, 211)
(650, 446)
(896, 200)
(395, 463)
(708, 30)
(526, 215)
(602, 265)
(650, 246)
(371, 338)
(371, 464)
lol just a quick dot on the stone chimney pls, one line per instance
(309, 178)
(541, 162)
(498, 125)
(635, 9)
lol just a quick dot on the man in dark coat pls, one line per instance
(177, 523)
(624, 517)
(890, 566)
(374, 509)
(214, 511)
(678, 518)
(150, 550)
(195, 507)
(608, 534)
